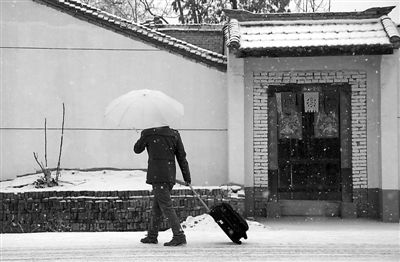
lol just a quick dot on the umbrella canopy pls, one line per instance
(144, 108)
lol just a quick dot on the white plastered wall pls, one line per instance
(49, 57)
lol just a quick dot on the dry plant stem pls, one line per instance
(46, 172)
(37, 161)
(45, 141)
(61, 144)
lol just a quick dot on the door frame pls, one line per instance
(345, 114)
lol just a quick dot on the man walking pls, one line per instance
(163, 144)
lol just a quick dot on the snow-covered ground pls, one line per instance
(286, 239)
(99, 180)
(74, 180)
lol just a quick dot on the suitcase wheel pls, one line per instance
(238, 242)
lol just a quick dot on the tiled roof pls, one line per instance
(313, 36)
(136, 31)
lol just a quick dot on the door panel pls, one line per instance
(309, 160)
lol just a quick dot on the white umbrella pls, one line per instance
(144, 108)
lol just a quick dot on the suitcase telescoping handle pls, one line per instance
(196, 194)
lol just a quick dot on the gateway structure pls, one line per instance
(313, 115)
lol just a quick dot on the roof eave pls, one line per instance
(355, 50)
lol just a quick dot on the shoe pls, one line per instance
(149, 240)
(176, 241)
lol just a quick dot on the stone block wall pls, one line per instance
(98, 211)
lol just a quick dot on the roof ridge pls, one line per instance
(121, 25)
(309, 22)
(187, 27)
(244, 15)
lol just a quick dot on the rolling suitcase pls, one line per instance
(229, 220)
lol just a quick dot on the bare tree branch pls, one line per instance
(149, 10)
(134, 10)
(314, 5)
(320, 5)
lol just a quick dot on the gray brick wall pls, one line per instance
(210, 40)
(98, 211)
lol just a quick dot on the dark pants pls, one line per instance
(162, 205)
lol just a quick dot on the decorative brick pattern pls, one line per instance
(356, 79)
(98, 211)
(260, 136)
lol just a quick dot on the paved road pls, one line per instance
(277, 242)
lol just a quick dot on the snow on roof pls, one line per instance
(312, 33)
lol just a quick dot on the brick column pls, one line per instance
(260, 135)
(260, 148)
(359, 128)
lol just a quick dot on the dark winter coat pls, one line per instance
(163, 144)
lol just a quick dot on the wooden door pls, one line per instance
(308, 143)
